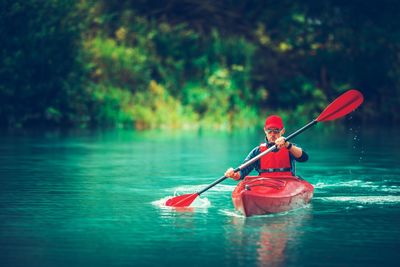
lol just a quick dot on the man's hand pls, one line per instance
(281, 142)
(294, 150)
(231, 174)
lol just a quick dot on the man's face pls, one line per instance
(273, 133)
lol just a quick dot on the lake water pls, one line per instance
(95, 199)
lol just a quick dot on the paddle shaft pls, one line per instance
(247, 163)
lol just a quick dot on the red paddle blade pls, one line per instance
(181, 201)
(341, 106)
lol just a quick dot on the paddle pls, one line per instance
(340, 107)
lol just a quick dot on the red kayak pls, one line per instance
(257, 195)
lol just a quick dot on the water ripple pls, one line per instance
(363, 199)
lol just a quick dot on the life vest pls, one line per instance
(275, 163)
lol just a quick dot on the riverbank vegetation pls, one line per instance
(189, 64)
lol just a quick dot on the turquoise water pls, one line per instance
(95, 199)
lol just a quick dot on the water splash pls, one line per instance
(340, 184)
(201, 203)
(237, 214)
(231, 213)
(363, 199)
(373, 186)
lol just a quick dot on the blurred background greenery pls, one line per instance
(179, 64)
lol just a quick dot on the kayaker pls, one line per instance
(280, 162)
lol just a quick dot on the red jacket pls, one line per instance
(275, 163)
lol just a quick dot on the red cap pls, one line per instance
(273, 121)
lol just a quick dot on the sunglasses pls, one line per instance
(276, 131)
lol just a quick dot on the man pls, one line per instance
(280, 162)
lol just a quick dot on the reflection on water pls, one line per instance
(275, 236)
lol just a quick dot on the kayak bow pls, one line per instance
(257, 195)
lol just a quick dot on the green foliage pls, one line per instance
(116, 63)
(152, 108)
(205, 81)
(39, 70)
(197, 63)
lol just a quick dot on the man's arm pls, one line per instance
(294, 150)
(297, 152)
(246, 170)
